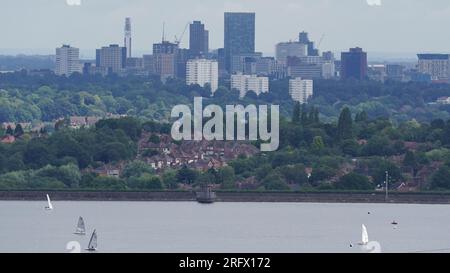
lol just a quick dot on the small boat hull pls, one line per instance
(206, 200)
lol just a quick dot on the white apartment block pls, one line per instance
(202, 72)
(300, 90)
(245, 83)
(67, 61)
(328, 70)
(435, 65)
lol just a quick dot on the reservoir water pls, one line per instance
(174, 227)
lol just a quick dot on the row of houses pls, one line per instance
(77, 122)
(73, 121)
(26, 126)
(201, 155)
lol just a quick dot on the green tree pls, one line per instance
(14, 180)
(154, 139)
(378, 145)
(18, 132)
(108, 183)
(37, 154)
(410, 160)
(304, 117)
(136, 168)
(395, 174)
(87, 180)
(446, 134)
(132, 127)
(354, 181)
(441, 179)
(275, 182)
(311, 116)
(226, 177)
(145, 182)
(14, 163)
(69, 175)
(150, 152)
(321, 174)
(112, 152)
(345, 125)
(318, 144)
(316, 118)
(208, 177)
(9, 131)
(296, 113)
(170, 179)
(294, 174)
(350, 147)
(187, 176)
(361, 117)
(263, 171)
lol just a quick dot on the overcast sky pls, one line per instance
(396, 26)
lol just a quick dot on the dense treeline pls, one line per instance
(57, 159)
(347, 137)
(344, 155)
(26, 98)
(351, 154)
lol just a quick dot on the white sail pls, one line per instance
(365, 235)
(81, 229)
(49, 206)
(92, 246)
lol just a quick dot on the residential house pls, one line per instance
(8, 139)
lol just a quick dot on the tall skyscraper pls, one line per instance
(300, 90)
(435, 65)
(127, 38)
(198, 39)
(239, 35)
(67, 61)
(290, 49)
(304, 39)
(113, 58)
(221, 60)
(165, 56)
(354, 64)
(202, 72)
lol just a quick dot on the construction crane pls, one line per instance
(178, 40)
(321, 40)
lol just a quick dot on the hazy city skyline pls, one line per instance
(39, 26)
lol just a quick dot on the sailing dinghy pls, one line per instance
(92, 246)
(81, 229)
(365, 236)
(49, 204)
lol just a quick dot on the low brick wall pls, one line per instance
(229, 197)
(335, 198)
(97, 196)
